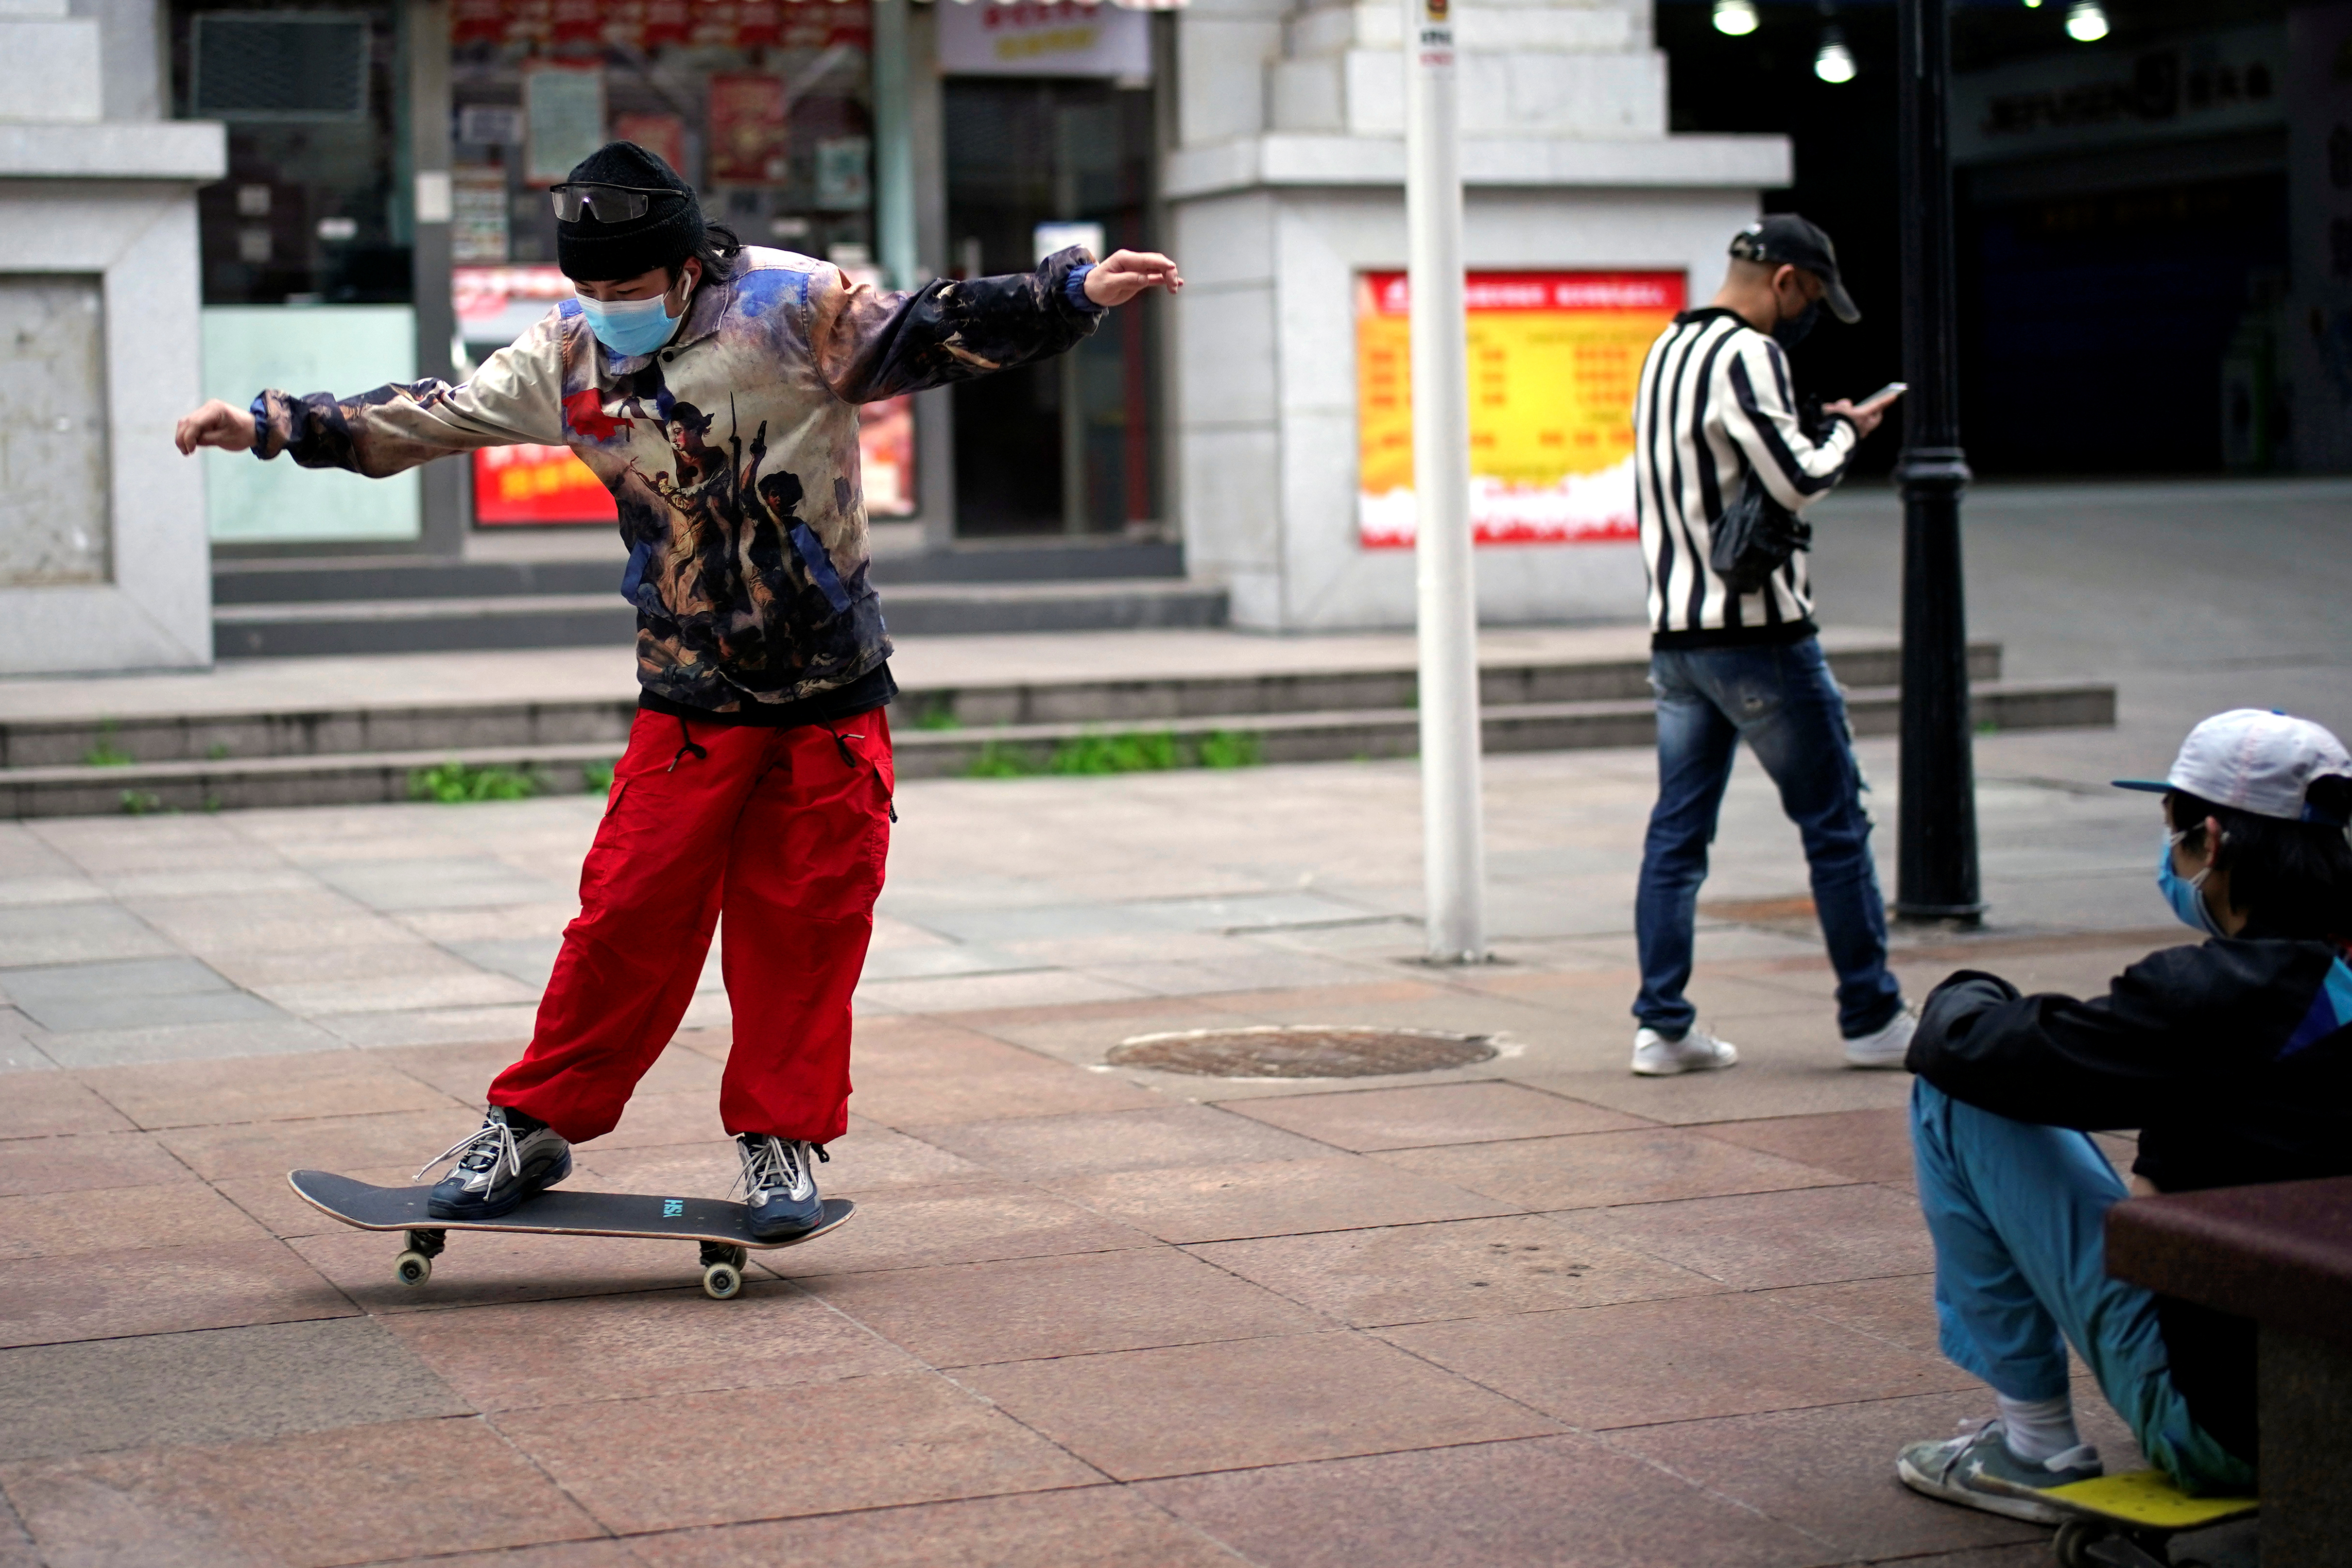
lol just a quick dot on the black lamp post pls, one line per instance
(1936, 874)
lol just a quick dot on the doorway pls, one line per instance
(1063, 447)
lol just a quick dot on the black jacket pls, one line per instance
(2234, 1061)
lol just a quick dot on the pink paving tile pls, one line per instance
(1031, 1089)
(1458, 1268)
(639, 1346)
(44, 1104)
(325, 1142)
(492, 1267)
(963, 1222)
(653, 1119)
(464, 1072)
(711, 1459)
(1436, 1113)
(271, 1201)
(1037, 1147)
(86, 1161)
(1018, 1309)
(1673, 1361)
(1596, 1169)
(871, 1156)
(261, 1088)
(1830, 1472)
(163, 1290)
(404, 1488)
(1282, 1197)
(1088, 1527)
(1251, 1402)
(121, 1219)
(1899, 1309)
(1565, 1501)
(561, 1554)
(1762, 1240)
(1866, 1145)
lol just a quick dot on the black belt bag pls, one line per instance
(1754, 539)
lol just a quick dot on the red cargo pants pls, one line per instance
(785, 830)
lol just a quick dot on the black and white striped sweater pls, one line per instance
(1714, 411)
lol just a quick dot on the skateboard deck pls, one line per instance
(721, 1227)
(2147, 1500)
(2122, 1521)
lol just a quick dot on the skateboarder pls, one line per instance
(2232, 1057)
(712, 386)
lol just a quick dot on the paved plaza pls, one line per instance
(1528, 1311)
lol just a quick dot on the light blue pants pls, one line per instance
(2017, 1213)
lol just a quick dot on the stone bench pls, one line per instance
(2281, 1254)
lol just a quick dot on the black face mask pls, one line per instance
(1792, 333)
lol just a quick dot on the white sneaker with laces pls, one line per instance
(1886, 1048)
(1656, 1056)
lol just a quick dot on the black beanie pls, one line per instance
(669, 231)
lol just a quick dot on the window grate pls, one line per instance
(281, 65)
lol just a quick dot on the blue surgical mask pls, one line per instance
(2185, 894)
(632, 326)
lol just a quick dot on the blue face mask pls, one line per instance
(2185, 894)
(632, 326)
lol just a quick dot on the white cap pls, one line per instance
(2256, 761)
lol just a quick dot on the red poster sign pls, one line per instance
(538, 484)
(747, 132)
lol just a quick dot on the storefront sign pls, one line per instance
(478, 228)
(2221, 83)
(1032, 40)
(537, 484)
(748, 137)
(564, 109)
(1554, 357)
(662, 134)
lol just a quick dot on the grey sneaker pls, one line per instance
(780, 1185)
(1886, 1048)
(511, 1158)
(1657, 1056)
(1975, 1469)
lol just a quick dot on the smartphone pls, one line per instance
(1888, 394)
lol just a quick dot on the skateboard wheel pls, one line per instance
(2076, 1538)
(721, 1281)
(412, 1269)
(738, 1256)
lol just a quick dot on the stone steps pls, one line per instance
(1131, 702)
(347, 777)
(288, 628)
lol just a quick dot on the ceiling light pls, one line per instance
(1834, 63)
(1736, 18)
(2086, 23)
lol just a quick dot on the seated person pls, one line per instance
(2233, 1059)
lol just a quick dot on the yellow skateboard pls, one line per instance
(2123, 1521)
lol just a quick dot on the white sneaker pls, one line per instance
(1888, 1046)
(1656, 1056)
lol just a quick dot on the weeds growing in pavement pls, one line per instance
(104, 752)
(454, 783)
(938, 716)
(1131, 752)
(596, 778)
(141, 802)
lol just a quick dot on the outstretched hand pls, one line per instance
(216, 423)
(1124, 274)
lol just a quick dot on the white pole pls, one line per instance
(1452, 841)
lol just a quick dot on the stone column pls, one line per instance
(104, 562)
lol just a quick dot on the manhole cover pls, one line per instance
(1301, 1051)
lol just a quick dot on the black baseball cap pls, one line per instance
(1786, 239)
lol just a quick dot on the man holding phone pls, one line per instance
(1714, 414)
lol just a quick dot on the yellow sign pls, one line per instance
(1554, 359)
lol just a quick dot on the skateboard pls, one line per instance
(2124, 1521)
(720, 1226)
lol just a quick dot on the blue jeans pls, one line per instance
(2019, 1212)
(1782, 702)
